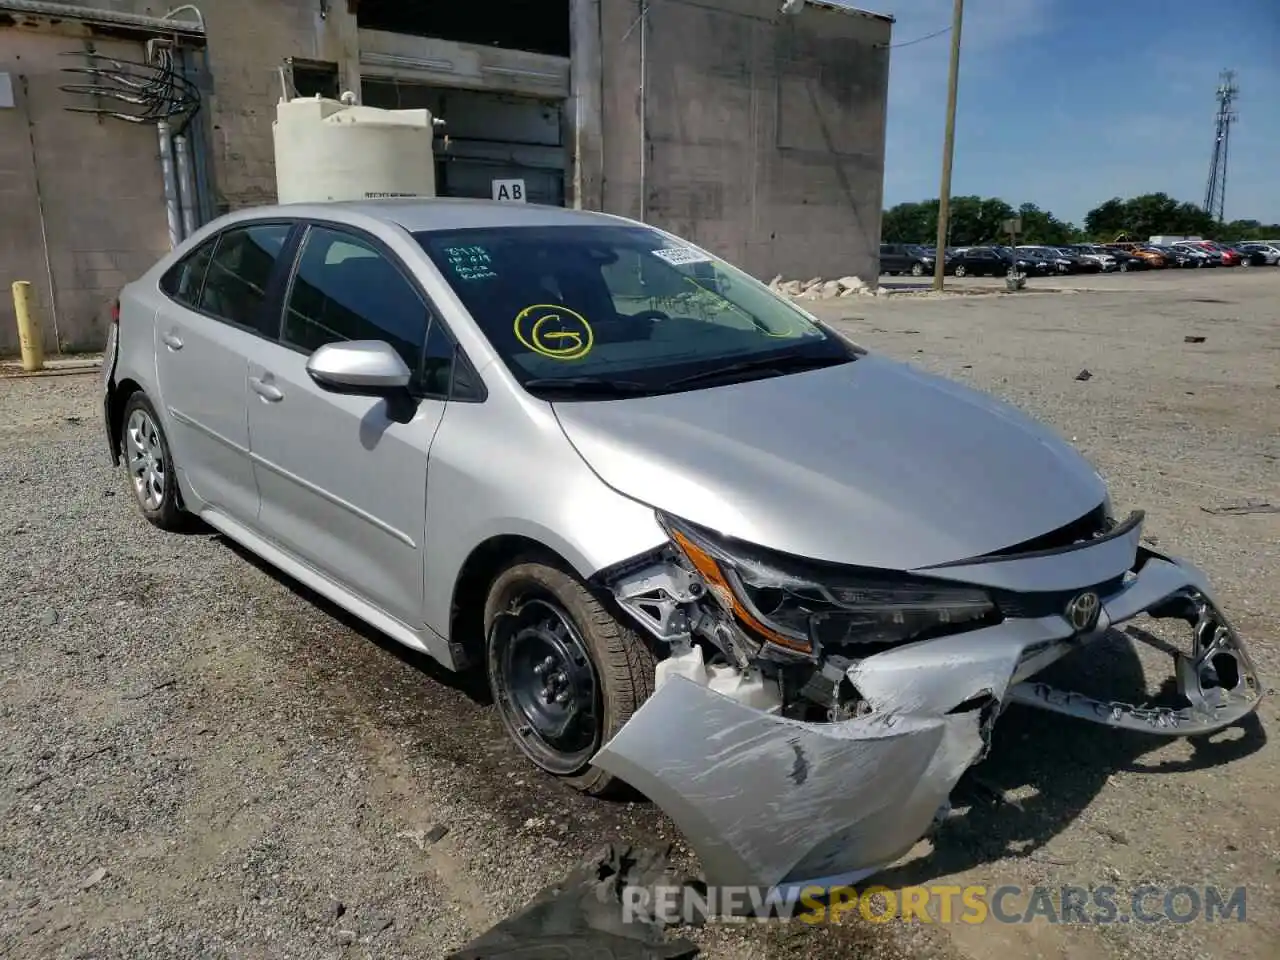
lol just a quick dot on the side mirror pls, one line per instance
(369, 367)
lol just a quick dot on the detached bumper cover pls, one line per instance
(768, 800)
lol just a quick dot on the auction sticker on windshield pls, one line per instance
(679, 256)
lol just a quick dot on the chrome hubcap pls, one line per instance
(145, 457)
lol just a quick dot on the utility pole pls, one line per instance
(948, 149)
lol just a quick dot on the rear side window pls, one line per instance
(185, 279)
(235, 285)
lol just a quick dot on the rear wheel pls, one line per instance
(960, 270)
(149, 465)
(565, 674)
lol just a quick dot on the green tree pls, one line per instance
(1249, 230)
(1148, 215)
(1042, 227)
(973, 220)
(911, 223)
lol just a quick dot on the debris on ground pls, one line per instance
(818, 288)
(1084, 375)
(1243, 509)
(583, 915)
(94, 878)
(1193, 339)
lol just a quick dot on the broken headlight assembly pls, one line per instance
(804, 607)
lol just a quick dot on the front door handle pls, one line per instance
(172, 341)
(266, 391)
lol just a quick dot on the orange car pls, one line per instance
(1154, 258)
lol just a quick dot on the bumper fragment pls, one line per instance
(765, 799)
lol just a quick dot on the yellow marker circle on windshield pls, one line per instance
(553, 331)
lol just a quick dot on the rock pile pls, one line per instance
(820, 289)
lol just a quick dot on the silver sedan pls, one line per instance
(701, 543)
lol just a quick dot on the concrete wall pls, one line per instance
(248, 41)
(99, 185)
(763, 134)
(101, 182)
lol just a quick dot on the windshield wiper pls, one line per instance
(787, 363)
(598, 386)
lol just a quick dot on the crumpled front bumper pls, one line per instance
(768, 800)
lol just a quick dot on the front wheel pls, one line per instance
(565, 674)
(960, 270)
(917, 269)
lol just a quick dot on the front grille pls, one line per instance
(1050, 603)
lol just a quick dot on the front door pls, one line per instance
(342, 477)
(209, 324)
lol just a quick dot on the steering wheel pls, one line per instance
(648, 315)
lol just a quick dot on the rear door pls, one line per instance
(342, 477)
(893, 258)
(211, 320)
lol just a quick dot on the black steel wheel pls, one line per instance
(565, 674)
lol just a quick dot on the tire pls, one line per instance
(1123, 268)
(149, 465)
(535, 612)
(917, 269)
(960, 270)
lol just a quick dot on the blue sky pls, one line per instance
(1108, 99)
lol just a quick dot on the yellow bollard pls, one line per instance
(29, 338)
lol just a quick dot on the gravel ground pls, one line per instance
(204, 759)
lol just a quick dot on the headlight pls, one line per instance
(804, 610)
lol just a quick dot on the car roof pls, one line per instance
(441, 213)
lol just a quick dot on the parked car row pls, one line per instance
(996, 260)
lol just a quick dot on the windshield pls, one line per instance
(575, 306)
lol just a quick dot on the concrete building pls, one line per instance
(754, 127)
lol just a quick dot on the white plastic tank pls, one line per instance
(336, 150)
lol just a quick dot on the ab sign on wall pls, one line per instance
(509, 190)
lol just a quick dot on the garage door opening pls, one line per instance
(541, 27)
(490, 136)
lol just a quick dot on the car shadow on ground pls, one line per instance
(470, 682)
(1045, 769)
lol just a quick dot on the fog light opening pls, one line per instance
(1222, 670)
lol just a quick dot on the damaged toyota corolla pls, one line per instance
(703, 543)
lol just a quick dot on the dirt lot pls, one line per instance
(202, 759)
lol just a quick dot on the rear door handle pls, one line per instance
(266, 391)
(172, 341)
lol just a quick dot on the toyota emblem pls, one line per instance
(1082, 611)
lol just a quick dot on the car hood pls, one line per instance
(871, 463)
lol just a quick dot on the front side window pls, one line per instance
(345, 288)
(235, 285)
(626, 305)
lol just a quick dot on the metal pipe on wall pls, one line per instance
(644, 112)
(191, 67)
(171, 203)
(186, 185)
